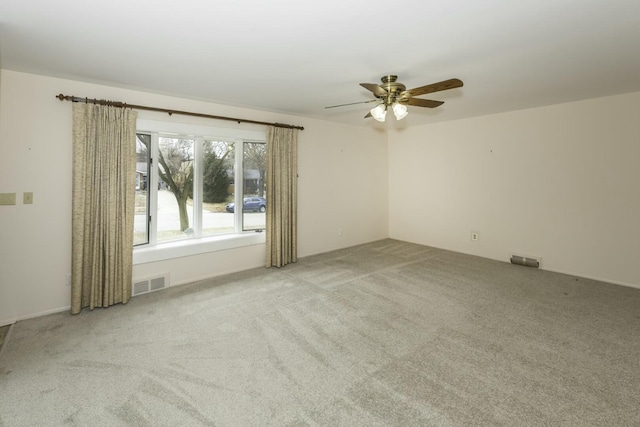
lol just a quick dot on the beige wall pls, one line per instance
(342, 185)
(560, 182)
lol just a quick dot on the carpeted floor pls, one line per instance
(383, 334)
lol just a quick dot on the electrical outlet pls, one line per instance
(339, 231)
(68, 279)
(474, 236)
(27, 198)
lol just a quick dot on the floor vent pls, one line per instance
(526, 261)
(143, 286)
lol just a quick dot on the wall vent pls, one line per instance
(526, 261)
(150, 284)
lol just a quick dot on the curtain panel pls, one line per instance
(104, 164)
(282, 196)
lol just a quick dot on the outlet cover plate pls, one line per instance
(7, 198)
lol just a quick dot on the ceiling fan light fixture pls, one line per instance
(379, 112)
(400, 111)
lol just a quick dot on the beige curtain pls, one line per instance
(282, 196)
(104, 164)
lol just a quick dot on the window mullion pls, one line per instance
(153, 190)
(238, 186)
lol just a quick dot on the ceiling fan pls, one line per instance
(394, 94)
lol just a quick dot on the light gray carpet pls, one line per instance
(383, 334)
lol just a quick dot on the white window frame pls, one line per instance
(197, 244)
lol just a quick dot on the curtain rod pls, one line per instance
(72, 98)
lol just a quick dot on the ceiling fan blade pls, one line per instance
(354, 103)
(429, 103)
(436, 87)
(376, 89)
(368, 115)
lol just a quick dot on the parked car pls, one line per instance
(250, 204)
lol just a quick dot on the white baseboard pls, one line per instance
(43, 313)
(5, 322)
(597, 279)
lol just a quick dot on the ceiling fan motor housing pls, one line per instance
(393, 88)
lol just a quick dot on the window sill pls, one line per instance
(191, 247)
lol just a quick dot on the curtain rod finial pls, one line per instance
(61, 97)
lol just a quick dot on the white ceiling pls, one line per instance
(297, 57)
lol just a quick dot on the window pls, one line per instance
(254, 166)
(175, 168)
(189, 184)
(217, 187)
(141, 221)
